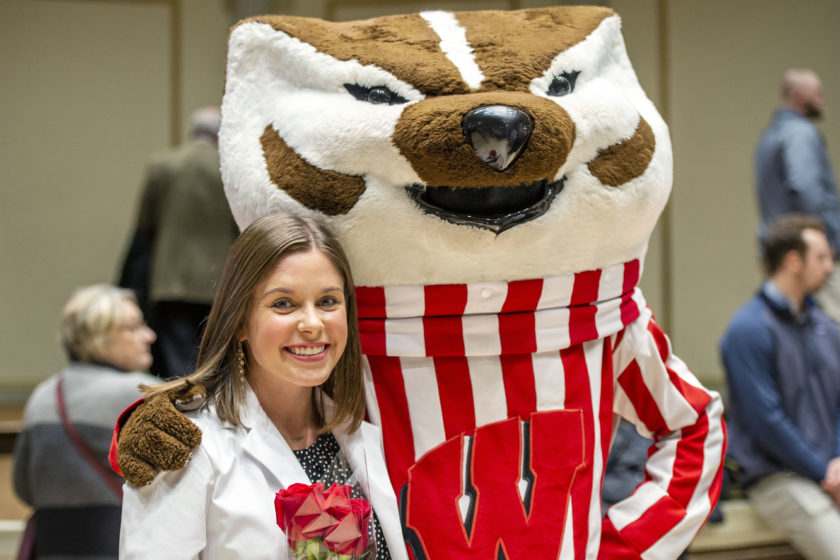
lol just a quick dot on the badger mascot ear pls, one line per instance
(494, 178)
(448, 147)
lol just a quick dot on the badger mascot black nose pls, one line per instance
(497, 134)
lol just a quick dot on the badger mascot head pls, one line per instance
(448, 147)
(494, 178)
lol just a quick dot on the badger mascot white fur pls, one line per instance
(494, 178)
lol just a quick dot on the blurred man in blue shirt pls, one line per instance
(792, 170)
(782, 361)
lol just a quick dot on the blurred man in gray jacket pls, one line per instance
(793, 173)
(185, 220)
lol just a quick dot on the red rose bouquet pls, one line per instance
(324, 524)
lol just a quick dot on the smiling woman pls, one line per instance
(295, 334)
(279, 393)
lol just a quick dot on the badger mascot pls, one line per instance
(494, 178)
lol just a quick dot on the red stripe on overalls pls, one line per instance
(582, 308)
(607, 397)
(444, 339)
(633, 383)
(629, 309)
(579, 396)
(518, 340)
(371, 311)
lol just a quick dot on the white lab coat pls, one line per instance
(221, 505)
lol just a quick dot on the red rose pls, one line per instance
(350, 534)
(307, 511)
(301, 511)
(338, 496)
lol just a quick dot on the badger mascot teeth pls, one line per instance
(494, 178)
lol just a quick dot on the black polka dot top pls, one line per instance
(324, 462)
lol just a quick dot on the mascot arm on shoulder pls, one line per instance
(494, 178)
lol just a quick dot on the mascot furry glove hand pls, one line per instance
(158, 436)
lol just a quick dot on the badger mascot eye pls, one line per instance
(378, 95)
(563, 84)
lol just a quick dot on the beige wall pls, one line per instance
(84, 99)
(87, 95)
(726, 59)
(91, 88)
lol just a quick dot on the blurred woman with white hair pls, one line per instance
(61, 455)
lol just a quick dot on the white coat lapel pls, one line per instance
(266, 445)
(363, 450)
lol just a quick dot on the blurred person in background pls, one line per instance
(793, 172)
(781, 354)
(61, 455)
(184, 231)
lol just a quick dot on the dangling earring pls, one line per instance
(241, 355)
